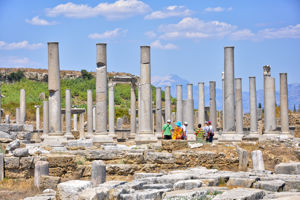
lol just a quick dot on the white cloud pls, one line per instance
(14, 61)
(117, 10)
(284, 32)
(171, 11)
(157, 44)
(195, 28)
(108, 34)
(150, 34)
(244, 34)
(39, 22)
(217, 9)
(20, 45)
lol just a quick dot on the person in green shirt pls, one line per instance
(199, 132)
(167, 130)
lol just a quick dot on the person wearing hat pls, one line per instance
(184, 127)
(167, 130)
(210, 132)
(178, 131)
(206, 130)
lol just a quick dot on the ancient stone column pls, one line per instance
(22, 106)
(158, 112)
(40, 168)
(81, 126)
(132, 110)
(212, 104)
(239, 106)
(45, 118)
(257, 160)
(0, 107)
(270, 103)
(146, 130)
(284, 107)
(17, 115)
(101, 135)
(75, 124)
(111, 109)
(98, 172)
(229, 106)
(37, 117)
(89, 113)
(68, 111)
(7, 119)
(190, 111)
(54, 89)
(94, 118)
(168, 102)
(201, 104)
(179, 108)
(1, 166)
(223, 100)
(253, 105)
(139, 106)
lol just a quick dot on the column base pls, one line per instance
(54, 140)
(230, 137)
(252, 136)
(145, 138)
(131, 135)
(159, 135)
(274, 136)
(89, 135)
(102, 139)
(113, 135)
(69, 136)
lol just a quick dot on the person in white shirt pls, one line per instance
(184, 127)
(206, 130)
(210, 132)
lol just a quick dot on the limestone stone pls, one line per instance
(187, 184)
(4, 135)
(241, 182)
(98, 172)
(70, 190)
(120, 169)
(157, 186)
(104, 154)
(49, 182)
(159, 157)
(1, 166)
(13, 145)
(144, 194)
(186, 194)
(242, 194)
(141, 175)
(21, 152)
(41, 168)
(257, 160)
(11, 162)
(243, 159)
(288, 168)
(274, 185)
(26, 162)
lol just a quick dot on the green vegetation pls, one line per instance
(78, 87)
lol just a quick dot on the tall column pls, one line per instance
(54, 89)
(229, 106)
(270, 103)
(190, 111)
(179, 108)
(146, 130)
(45, 118)
(253, 105)
(0, 107)
(139, 106)
(22, 106)
(89, 113)
(75, 124)
(168, 102)
(201, 104)
(158, 112)
(284, 107)
(239, 106)
(37, 117)
(223, 99)
(17, 115)
(94, 118)
(101, 135)
(132, 110)
(212, 104)
(68, 134)
(111, 109)
(81, 125)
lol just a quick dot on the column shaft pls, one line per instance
(239, 105)
(158, 110)
(270, 103)
(190, 109)
(132, 109)
(75, 124)
(212, 104)
(179, 108)
(90, 111)
(45, 117)
(22, 106)
(37, 117)
(111, 104)
(68, 111)
(201, 104)
(253, 104)
(284, 107)
(168, 103)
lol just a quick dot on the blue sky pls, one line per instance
(187, 38)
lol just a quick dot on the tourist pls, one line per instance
(178, 132)
(206, 129)
(184, 127)
(167, 130)
(199, 132)
(210, 132)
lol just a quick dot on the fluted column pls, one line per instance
(270, 103)
(179, 108)
(45, 118)
(284, 107)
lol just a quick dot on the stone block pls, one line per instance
(241, 182)
(11, 162)
(187, 184)
(104, 154)
(159, 158)
(28, 127)
(70, 190)
(98, 172)
(144, 194)
(26, 162)
(13, 145)
(142, 175)
(243, 159)
(241, 193)
(1, 166)
(257, 160)
(274, 185)
(186, 194)
(41, 168)
(49, 182)
(288, 168)
(120, 169)
(21, 152)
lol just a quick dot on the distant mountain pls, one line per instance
(173, 80)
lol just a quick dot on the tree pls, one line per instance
(86, 75)
(16, 76)
(259, 105)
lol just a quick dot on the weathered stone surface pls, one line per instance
(70, 190)
(241, 182)
(98, 172)
(40, 168)
(187, 184)
(157, 186)
(13, 145)
(26, 162)
(1, 166)
(20, 152)
(257, 160)
(4, 135)
(186, 194)
(134, 157)
(159, 157)
(144, 194)
(243, 159)
(274, 186)
(173, 145)
(80, 143)
(138, 176)
(28, 127)
(47, 194)
(61, 160)
(241, 194)
(11, 127)
(120, 169)
(288, 168)
(173, 178)
(282, 196)
(49, 182)
(11, 162)
(104, 154)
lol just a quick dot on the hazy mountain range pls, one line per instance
(173, 80)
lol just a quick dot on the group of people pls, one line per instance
(179, 132)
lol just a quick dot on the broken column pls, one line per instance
(1, 166)
(132, 110)
(146, 130)
(239, 106)
(22, 106)
(253, 105)
(75, 122)
(68, 111)
(41, 168)
(101, 135)
(89, 113)
(284, 107)
(98, 172)
(54, 89)
(179, 108)
(168, 102)
(45, 118)
(17, 115)
(229, 106)
(257, 160)
(158, 112)
(7, 119)
(212, 104)
(201, 104)
(269, 101)
(111, 109)
(37, 117)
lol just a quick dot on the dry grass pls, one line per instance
(14, 189)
